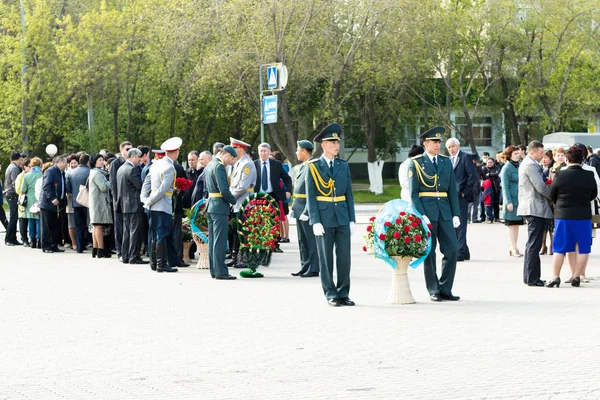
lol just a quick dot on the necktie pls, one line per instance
(263, 179)
(331, 166)
(453, 161)
(435, 163)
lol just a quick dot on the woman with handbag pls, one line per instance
(99, 205)
(28, 189)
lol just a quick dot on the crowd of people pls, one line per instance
(132, 206)
(554, 191)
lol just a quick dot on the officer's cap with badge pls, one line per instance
(433, 134)
(172, 144)
(305, 144)
(330, 132)
(238, 143)
(230, 150)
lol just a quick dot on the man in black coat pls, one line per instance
(54, 195)
(129, 184)
(466, 179)
(118, 216)
(200, 191)
(271, 178)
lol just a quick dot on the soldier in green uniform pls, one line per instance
(217, 211)
(433, 193)
(331, 214)
(309, 257)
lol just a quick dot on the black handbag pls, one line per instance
(22, 200)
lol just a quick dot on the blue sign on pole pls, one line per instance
(270, 109)
(272, 77)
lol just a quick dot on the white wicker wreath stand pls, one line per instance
(202, 253)
(400, 291)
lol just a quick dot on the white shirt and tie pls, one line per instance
(265, 166)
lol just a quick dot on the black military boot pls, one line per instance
(153, 256)
(161, 258)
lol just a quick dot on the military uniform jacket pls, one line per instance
(300, 207)
(162, 180)
(243, 178)
(217, 184)
(433, 193)
(329, 194)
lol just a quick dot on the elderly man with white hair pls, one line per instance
(466, 179)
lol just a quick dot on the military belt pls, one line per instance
(250, 190)
(215, 195)
(433, 194)
(300, 196)
(331, 199)
(169, 194)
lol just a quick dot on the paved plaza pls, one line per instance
(73, 327)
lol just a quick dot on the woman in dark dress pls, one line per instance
(572, 192)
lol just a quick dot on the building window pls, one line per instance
(482, 129)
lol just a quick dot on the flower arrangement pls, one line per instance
(258, 227)
(404, 236)
(186, 230)
(201, 219)
(183, 184)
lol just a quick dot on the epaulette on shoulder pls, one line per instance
(313, 160)
(415, 157)
(441, 155)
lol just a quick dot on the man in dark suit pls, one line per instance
(433, 194)
(466, 179)
(199, 191)
(129, 183)
(75, 178)
(54, 191)
(118, 216)
(331, 214)
(309, 256)
(271, 178)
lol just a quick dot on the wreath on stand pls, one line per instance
(258, 226)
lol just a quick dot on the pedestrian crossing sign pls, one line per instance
(272, 77)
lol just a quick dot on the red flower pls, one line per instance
(428, 234)
(382, 236)
(414, 225)
(402, 213)
(430, 226)
(372, 219)
(410, 217)
(418, 220)
(387, 223)
(418, 238)
(183, 184)
(398, 221)
(364, 248)
(396, 235)
(406, 228)
(549, 182)
(407, 240)
(369, 228)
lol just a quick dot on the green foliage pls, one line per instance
(151, 69)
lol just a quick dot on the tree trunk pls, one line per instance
(289, 149)
(115, 110)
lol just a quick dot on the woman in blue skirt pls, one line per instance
(571, 192)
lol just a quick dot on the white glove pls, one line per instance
(303, 217)
(456, 222)
(318, 229)
(427, 221)
(352, 227)
(291, 214)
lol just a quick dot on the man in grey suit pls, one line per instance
(534, 195)
(118, 216)
(75, 178)
(309, 257)
(129, 184)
